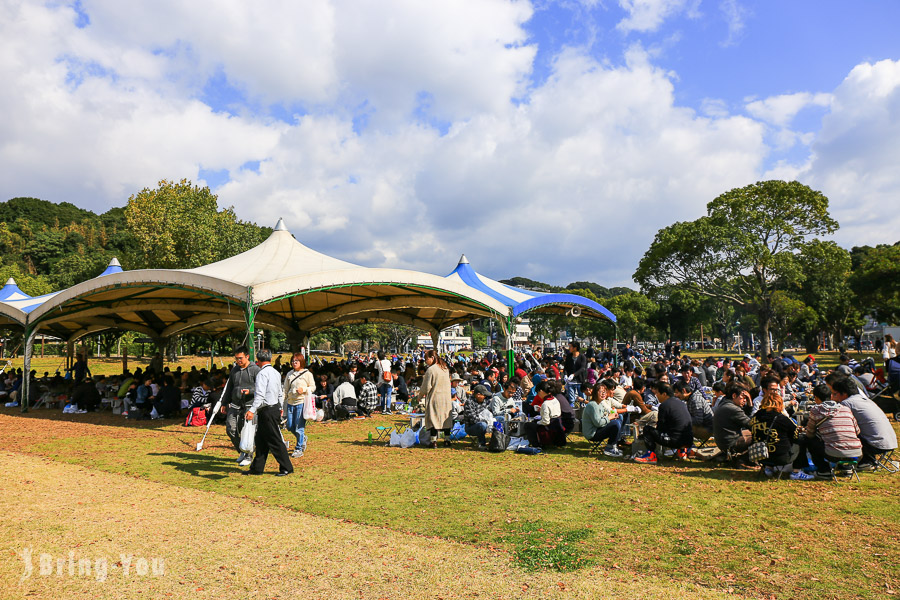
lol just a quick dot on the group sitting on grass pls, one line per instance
(799, 420)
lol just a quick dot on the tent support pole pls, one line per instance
(510, 352)
(251, 329)
(615, 348)
(26, 371)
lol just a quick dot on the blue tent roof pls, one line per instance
(521, 301)
(11, 294)
(113, 267)
(11, 291)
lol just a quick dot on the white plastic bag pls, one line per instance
(320, 414)
(248, 436)
(395, 439)
(408, 438)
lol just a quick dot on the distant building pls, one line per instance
(451, 339)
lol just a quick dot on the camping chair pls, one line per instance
(383, 433)
(885, 462)
(844, 464)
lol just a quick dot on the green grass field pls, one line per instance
(567, 512)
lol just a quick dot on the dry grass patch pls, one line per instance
(214, 546)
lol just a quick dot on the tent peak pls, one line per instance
(114, 262)
(280, 226)
(463, 260)
(10, 281)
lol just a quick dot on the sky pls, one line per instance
(543, 139)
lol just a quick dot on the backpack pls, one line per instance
(196, 418)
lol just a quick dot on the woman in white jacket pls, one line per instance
(298, 383)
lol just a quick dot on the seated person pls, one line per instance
(831, 431)
(549, 426)
(597, 424)
(875, 432)
(780, 434)
(502, 403)
(368, 394)
(473, 414)
(344, 398)
(325, 396)
(731, 425)
(567, 414)
(718, 390)
(86, 396)
(701, 413)
(673, 427)
(401, 389)
(168, 400)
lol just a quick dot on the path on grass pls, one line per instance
(214, 546)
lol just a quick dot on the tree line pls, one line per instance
(755, 262)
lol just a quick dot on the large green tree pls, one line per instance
(179, 226)
(826, 290)
(744, 249)
(876, 280)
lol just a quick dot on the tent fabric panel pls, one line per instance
(280, 256)
(118, 285)
(562, 299)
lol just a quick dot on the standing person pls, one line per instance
(298, 383)
(890, 348)
(576, 372)
(242, 385)
(435, 391)
(81, 369)
(385, 382)
(266, 407)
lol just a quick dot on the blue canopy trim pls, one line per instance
(11, 289)
(537, 299)
(562, 299)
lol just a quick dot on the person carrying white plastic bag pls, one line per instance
(299, 404)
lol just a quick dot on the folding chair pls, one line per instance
(885, 462)
(383, 433)
(843, 464)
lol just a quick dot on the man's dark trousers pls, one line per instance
(268, 438)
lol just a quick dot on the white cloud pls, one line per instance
(855, 155)
(781, 110)
(648, 15)
(735, 15)
(569, 183)
(599, 158)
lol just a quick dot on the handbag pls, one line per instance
(759, 451)
(248, 436)
(499, 439)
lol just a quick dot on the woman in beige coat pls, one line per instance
(435, 390)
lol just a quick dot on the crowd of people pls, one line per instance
(670, 404)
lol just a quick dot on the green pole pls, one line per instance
(26, 359)
(251, 329)
(510, 331)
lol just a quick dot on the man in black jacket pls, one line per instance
(673, 427)
(576, 370)
(241, 390)
(731, 425)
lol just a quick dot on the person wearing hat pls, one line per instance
(473, 414)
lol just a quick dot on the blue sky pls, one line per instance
(466, 127)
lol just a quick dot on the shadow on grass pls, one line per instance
(105, 418)
(200, 465)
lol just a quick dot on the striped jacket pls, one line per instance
(835, 424)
